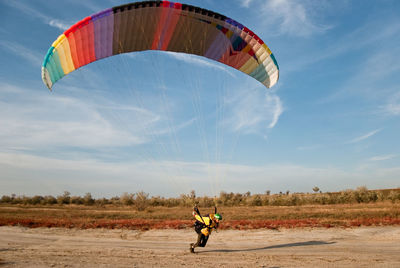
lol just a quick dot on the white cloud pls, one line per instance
(310, 147)
(366, 136)
(196, 60)
(22, 51)
(370, 77)
(253, 111)
(28, 10)
(382, 157)
(93, 6)
(246, 3)
(292, 17)
(385, 31)
(58, 24)
(169, 178)
(393, 108)
(277, 109)
(37, 119)
(393, 105)
(176, 128)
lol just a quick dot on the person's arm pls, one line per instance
(197, 215)
(196, 210)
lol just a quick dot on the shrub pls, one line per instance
(64, 199)
(5, 199)
(255, 200)
(127, 199)
(77, 200)
(102, 202)
(141, 200)
(49, 200)
(394, 196)
(206, 201)
(88, 200)
(36, 200)
(294, 200)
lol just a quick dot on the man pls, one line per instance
(203, 227)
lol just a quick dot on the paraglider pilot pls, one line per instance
(203, 227)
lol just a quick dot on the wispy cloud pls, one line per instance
(245, 3)
(30, 11)
(310, 147)
(370, 82)
(277, 109)
(32, 120)
(58, 24)
(192, 59)
(81, 175)
(37, 120)
(253, 111)
(382, 157)
(93, 6)
(176, 128)
(290, 17)
(383, 30)
(366, 136)
(22, 51)
(392, 107)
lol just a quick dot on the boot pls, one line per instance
(191, 248)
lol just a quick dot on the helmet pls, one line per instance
(218, 216)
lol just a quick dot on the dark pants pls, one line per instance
(201, 241)
(201, 238)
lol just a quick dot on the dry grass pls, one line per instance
(72, 216)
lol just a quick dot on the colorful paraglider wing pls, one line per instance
(160, 25)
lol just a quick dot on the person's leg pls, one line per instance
(203, 241)
(199, 240)
(198, 243)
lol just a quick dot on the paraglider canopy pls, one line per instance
(160, 25)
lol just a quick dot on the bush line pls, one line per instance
(141, 200)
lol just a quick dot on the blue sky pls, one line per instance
(168, 123)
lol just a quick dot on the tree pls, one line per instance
(88, 200)
(393, 196)
(64, 199)
(5, 199)
(141, 200)
(37, 199)
(193, 194)
(256, 200)
(127, 199)
(315, 189)
(50, 200)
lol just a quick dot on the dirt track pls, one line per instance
(359, 247)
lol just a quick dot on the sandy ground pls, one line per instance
(359, 247)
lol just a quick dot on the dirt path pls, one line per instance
(359, 247)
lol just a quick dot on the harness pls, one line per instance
(198, 225)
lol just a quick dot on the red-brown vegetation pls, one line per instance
(350, 208)
(145, 224)
(239, 218)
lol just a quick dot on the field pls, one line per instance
(350, 235)
(271, 217)
(298, 247)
